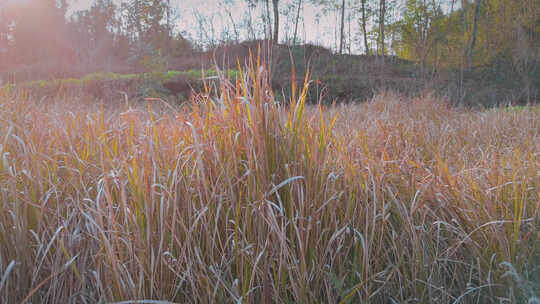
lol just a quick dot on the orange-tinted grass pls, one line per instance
(242, 198)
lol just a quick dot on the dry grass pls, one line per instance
(239, 199)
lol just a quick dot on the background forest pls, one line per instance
(471, 51)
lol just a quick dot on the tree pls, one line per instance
(225, 6)
(92, 30)
(38, 30)
(342, 27)
(475, 31)
(273, 31)
(343, 10)
(382, 14)
(268, 34)
(145, 20)
(420, 30)
(296, 21)
(275, 5)
(364, 22)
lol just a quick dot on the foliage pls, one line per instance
(420, 30)
(428, 35)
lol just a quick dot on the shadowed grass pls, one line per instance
(240, 198)
(116, 76)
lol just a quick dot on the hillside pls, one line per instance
(341, 78)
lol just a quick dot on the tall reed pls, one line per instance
(241, 198)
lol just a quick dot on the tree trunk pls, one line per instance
(169, 29)
(342, 27)
(350, 37)
(275, 4)
(475, 31)
(383, 13)
(366, 46)
(296, 22)
(268, 21)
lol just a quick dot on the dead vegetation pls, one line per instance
(240, 198)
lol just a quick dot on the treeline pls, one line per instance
(46, 35)
(122, 35)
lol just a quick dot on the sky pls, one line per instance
(315, 27)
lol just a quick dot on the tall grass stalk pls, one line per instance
(240, 198)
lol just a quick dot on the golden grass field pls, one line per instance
(236, 198)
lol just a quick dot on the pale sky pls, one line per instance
(315, 26)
